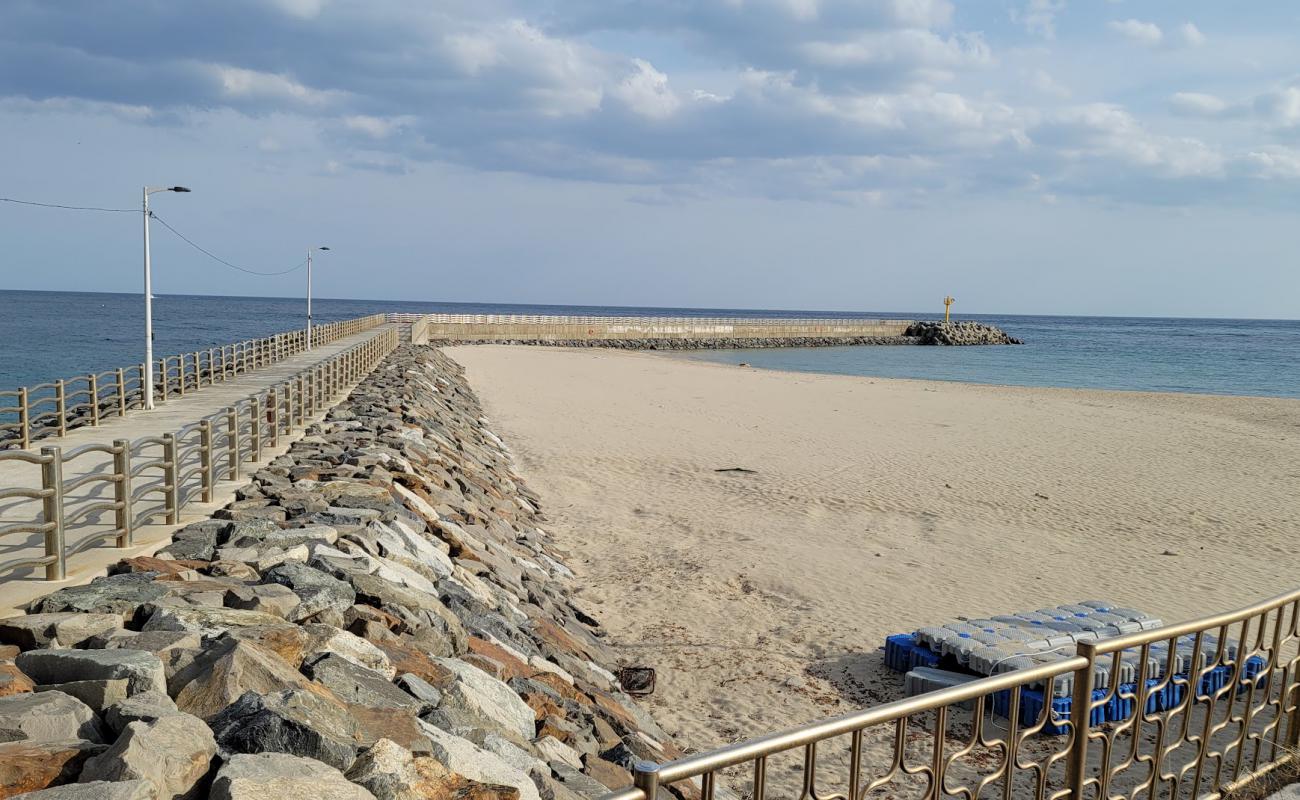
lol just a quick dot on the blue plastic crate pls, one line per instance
(903, 653)
(1031, 705)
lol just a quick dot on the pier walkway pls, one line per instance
(80, 502)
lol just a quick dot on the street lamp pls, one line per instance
(146, 377)
(309, 252)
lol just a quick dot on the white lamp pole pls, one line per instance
(309, 252)
(146, 377)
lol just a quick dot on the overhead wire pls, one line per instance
(69, 208)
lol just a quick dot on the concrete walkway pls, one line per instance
(17, 587)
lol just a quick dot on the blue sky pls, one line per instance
(1029, 156)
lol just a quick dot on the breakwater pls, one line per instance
(379, 614)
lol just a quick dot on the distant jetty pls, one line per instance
(691, 333)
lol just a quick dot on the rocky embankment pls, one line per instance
(958, 333)
(379, 615)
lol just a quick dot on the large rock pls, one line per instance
(478, 700)
(66, 629)
(143, 670)
(173, 752)
(98, 790)
(116, 594)
(294, 721)
(389, 772)
(28, 766)
(278, 776)
(99, 694)
(220, 675)
(317, 591)
(47, 717)
(13, 681)
(143, 707)
(326, 639)
(205, 620)
(357, 685)
(463, 757)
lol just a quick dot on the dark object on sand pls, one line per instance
(737, 469)
(637, 681)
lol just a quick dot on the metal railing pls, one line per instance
(547, 319)
(52, 409)
(1209, 712)
(135, 482)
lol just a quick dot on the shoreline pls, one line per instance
(877, 505)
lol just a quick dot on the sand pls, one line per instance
(874, 506)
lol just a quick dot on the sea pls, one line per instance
(50, 335)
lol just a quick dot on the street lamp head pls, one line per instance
(322, 248)
(179, 189)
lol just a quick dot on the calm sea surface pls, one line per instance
(48, 335)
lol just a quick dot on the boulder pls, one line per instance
(270, 598)
(263, 776)
(463, 757)
(143, 707)
(326, 639)
(47, 717)
(99, 694)
(317, 591)
(204, 620)
(389, 772)
(173, 752)
(477, 700)
(13, 681)
(142, 670)
(224, 672)
(27, 766)
(357, 685)
(115, 594)
(98, 790)
(66, 629)
(294, 721)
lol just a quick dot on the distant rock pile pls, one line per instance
(378, 615)
(958, 333)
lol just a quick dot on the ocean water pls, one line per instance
(49, 335)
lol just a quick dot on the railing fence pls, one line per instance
(134, 483)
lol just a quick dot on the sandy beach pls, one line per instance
(870, 506)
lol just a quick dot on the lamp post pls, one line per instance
(146, 378)
(310, 250)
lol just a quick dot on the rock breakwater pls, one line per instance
(711, 343)
(958, 333)
(378, 615)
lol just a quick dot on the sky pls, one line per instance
(1114, 157)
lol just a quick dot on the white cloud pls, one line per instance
(1191, 35)
(1197, 104)
(374, 127)
(1146, 33)
(1039, 16)
(1041, 80)
(247, 84)
(646, 92)
(1280, 108)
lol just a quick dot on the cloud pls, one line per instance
(1144, 33)
(1280, 108)
(1039, 16)
(1191, 35)
(1196, 104)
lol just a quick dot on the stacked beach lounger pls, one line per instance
(965, 650)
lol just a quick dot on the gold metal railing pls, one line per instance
(1210, 712)
(129, 484)
(52, 409)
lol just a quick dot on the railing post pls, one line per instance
(1081, 720)
(61, 403)
(232, 444)
(52, 506)
(645, 776)
(121, 391)
(209, 474)
(180, 374)
(255, 429)
(273, 414)
(93, 380)
(162, 379)
(122, 491)
(24, 418)
(171, 488)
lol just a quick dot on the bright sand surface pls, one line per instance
(875, 507)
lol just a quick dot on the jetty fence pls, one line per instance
(52, 409)
(1216, 722)
(479, 327)
(131, 483)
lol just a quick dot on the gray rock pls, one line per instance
(68, 629)
(357, 685)
(278, 776)
(143, 707)
(143, 670)
(204, 620)
(47, 717)
(478, 700)
(294, 721)
(388, 771)
(271, 598)
(173, 752)
(99, 694)
(428, 694)
(117, 594)
(468, 759)
(223, 673)
(98, 790)
(325, 639)
(317, 591)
